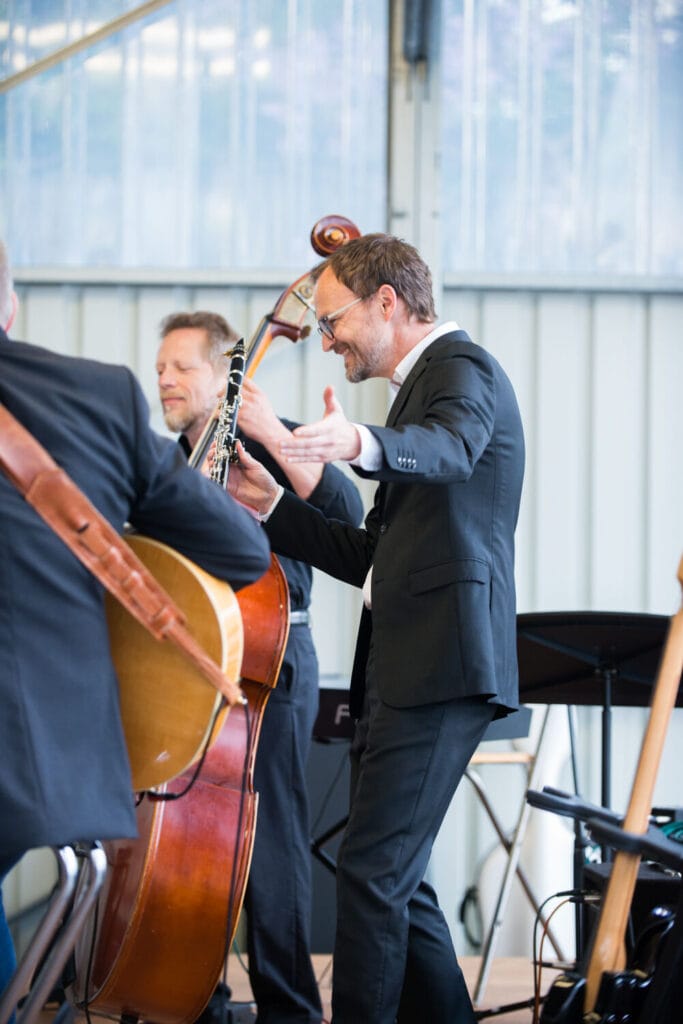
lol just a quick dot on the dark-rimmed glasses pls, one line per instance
(325, 322)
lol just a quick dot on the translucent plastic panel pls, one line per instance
(213, 133)
(562, 144)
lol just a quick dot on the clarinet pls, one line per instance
(226, 428)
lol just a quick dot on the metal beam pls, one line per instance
(103, 32)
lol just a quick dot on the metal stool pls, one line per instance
(55, 937)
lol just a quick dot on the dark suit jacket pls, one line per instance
(440, 535)
(63, 768)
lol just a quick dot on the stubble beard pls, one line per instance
(178, 422)
(371, 363)
(355, 373)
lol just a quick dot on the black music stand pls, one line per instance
(603, 659)
(600, 659)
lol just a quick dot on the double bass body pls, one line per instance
(172, 899)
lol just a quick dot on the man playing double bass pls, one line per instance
(191, 368)
(64, 772)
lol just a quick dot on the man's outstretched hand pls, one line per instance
(331, 438)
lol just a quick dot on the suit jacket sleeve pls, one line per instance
(337, 496)
(298, 530)
(447, 419)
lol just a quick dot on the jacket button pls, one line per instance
(383, 528)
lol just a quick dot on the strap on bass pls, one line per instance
(92, 539)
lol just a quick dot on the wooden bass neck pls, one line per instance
(608, 948)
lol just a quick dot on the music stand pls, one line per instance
(603, 659)
(599, 659)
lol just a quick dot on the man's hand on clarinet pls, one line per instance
(250, 483)
(331, 438)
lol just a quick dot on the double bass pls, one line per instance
(170, 907)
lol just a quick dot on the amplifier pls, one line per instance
(655, 887)
(333, 721)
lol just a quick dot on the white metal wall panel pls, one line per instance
(52, 318)
(508, 331)
(598, 380)
(107, 331)
(560, 452)
(618, 375)
(663, 483)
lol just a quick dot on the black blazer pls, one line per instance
(64, 771)
(440, 535)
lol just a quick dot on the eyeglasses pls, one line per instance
(325, 322)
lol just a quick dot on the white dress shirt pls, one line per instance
(370, 457)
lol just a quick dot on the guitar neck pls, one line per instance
(607, 952)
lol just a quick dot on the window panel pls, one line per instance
(210, 134)
(562, 151)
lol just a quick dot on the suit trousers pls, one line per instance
(278, 895)
(394, 958)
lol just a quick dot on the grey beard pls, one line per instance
(177, 423)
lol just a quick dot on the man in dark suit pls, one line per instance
(436, 653)
(192, 370)
(64, 771)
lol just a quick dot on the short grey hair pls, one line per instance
(220, 335)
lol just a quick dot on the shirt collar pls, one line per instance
(408, 362)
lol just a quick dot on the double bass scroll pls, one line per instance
(330, 233)
(291, 315)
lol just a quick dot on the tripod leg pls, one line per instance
(318, 844)
(512, 864)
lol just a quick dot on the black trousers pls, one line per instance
(278, 895)
(394, 958)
